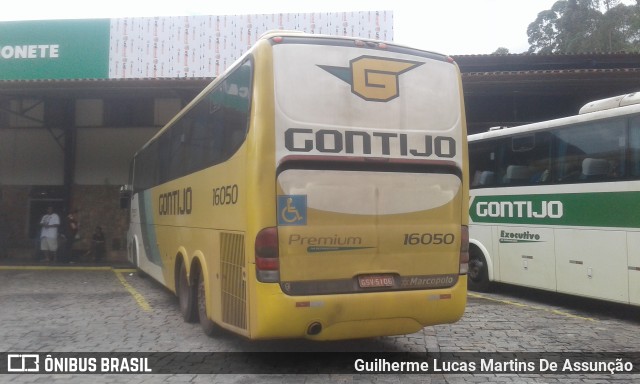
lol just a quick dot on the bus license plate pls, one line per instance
(375, 281)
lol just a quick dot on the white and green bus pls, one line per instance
(554, 205)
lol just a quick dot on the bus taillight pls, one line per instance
(267, 262)
(464, 250)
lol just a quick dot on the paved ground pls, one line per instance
(101, 309)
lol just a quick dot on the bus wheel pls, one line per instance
(478, 277)
(208, 326)
(186, 296)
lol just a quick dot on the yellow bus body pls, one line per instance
(369, 245)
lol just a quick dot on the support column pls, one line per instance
(69, 164)
(67, 124)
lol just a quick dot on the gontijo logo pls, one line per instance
(373, 78)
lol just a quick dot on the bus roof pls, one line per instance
(611, 102)
(303, 38)
(595, 110)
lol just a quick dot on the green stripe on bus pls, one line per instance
(598, 209)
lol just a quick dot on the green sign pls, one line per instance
(596, 209)
(54, 49)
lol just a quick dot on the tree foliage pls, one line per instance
(574, 26)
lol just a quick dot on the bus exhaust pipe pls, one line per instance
(314, 329)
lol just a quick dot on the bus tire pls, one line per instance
(208, 327)
(478, 276)
(186, 295)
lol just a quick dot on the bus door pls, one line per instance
(527, 256)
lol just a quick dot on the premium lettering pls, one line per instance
(365, 143)
(296, 239)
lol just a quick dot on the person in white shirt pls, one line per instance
(49, 234)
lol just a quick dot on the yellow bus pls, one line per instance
(317, 189)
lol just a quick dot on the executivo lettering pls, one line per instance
(519, 237)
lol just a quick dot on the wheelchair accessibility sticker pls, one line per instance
(292, 210)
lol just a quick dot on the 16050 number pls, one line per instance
(428, 238)
(225, 195)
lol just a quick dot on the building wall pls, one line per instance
(14, 211)
(32, 169)
(30, 156)
(160, 47)
(110, 128)
(103, 155)
(204, 46)
(99, 205)
(96, 205)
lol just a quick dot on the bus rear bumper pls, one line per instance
(352, 316)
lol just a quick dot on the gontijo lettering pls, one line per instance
(178, 202)
(365, 143)
(541, 210)
(36, 51)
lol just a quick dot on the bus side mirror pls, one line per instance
(125, 196)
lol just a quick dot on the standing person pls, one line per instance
(49, 234)
(70, 234)
(98, 244)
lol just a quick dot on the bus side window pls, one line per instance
(594, 169)
(591, 151)
(527, 159)
(483, 178)
(483, 164)
(517, 174)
